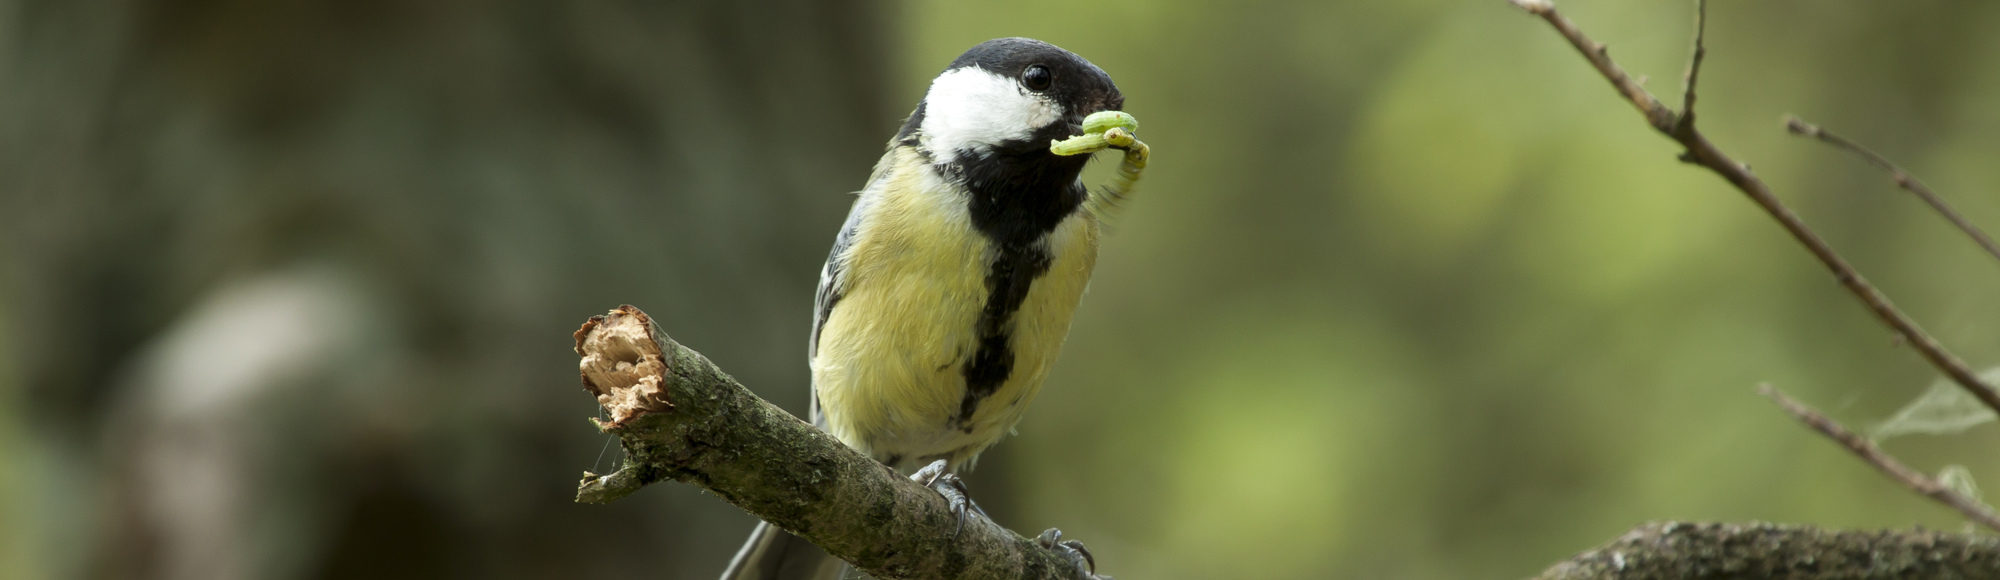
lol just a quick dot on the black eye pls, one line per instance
(1037, 78)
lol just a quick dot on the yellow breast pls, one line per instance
(888, 370)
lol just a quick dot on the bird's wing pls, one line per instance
(832, 280)
(833, 285)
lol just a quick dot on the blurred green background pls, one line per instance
(286, 287)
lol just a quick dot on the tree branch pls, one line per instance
(1867, 450)
(1701, 152)
(1902, 178)
(1672, 550)
(681, 418)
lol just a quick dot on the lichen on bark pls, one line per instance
(1686, 551)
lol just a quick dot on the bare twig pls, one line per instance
(1677, 550)
(1599, 55)
(1867, 450)
(1694, 65)
(1701, 152)
(1902, 178)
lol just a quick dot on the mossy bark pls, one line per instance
(696, 425)
(1685, 551)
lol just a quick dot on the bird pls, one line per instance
(950, 287)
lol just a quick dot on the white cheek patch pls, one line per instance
(972, 108)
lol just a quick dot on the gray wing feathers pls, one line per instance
(831, 282)
(833, 285)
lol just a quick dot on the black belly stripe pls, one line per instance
(1008, 280)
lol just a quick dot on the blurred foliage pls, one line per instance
(1408, 291)
(291, 284)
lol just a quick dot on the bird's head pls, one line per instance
(1005, 94)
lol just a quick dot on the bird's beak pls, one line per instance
(1114, 101)
(1107, 102)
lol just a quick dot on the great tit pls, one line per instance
(950, 287)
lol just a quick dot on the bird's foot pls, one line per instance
(941, 480)
(1079, 556)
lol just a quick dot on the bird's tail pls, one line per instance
(775, 554)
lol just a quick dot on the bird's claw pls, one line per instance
(1086, 566)
(936, 477)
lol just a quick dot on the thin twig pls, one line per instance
(1701, 152)
(1902, 178)
(1694, 65)
(1599, 55)
(1869, 452)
